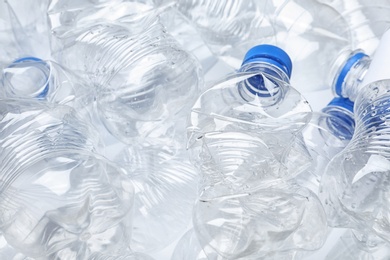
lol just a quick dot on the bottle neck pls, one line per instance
(28, 77)
(351, 69)
(341, 123)
(266, 84)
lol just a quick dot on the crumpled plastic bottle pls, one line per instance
(242, 139)
(328, 133)
(59, 199)
(355, 182)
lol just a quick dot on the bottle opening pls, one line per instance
(27, 77)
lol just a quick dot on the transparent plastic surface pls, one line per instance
(228, 112)
(310, 32)
(24, 30)
(189, 248)
(124, 256)
(242, 139)
(66, 15)
(58, 199)
(145, 81)
(229, 28)
(33, 78)
(354, 187)
(351, 246)
(165, 190)
(327, 134)
(367, 19)
(275, 218)
(8, 252)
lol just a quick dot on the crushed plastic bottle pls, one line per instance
(310, 32)
(355, 181)
(241, 135)
(328, 133)
(58, 198)
(260, 97)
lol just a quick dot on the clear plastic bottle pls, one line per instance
(242, 140)
(328, 133)
(355, 184)
(352, 70)
(58, 198)
(310, 32)
(252, 104)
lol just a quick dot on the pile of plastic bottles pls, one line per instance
(194, 129)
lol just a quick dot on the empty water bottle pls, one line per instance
(58, 199)
(327, 134)
(310, 32)
(241, 135)
(350, 72)
(260, 97)
(356, 180)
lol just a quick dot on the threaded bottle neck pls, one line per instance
(272, 68)
(348, 73)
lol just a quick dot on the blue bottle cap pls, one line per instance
(342, 102)
(344, 71)
(271, 54)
